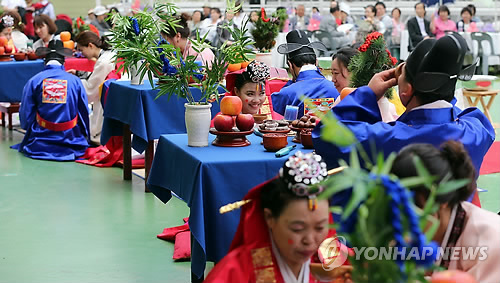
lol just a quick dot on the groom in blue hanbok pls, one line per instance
(54, 110)
(308, 82)
(426, 84)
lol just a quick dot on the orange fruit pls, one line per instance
(69, 44)
(65, 36)
(346, 91)
(234, 67)
(244, 64)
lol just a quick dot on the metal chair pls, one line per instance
(478, 38)
(327, 39)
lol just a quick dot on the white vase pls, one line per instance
(135, 77)
(266, 58)
(198, 124)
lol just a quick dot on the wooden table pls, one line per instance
(8, 110)
(475, 96)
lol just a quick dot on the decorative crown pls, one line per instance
(8, 21)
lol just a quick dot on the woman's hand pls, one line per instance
(382, 81)
(72, 71)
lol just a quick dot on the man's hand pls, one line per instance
(72, 71)
(382, 81)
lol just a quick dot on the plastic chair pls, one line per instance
(477, 40)
(325, 37)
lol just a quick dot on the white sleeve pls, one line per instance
(101, 70)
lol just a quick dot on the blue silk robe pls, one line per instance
(311, 84)
(62, 100)
(360, 113)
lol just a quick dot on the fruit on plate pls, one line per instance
(231, 105)
(274, 125)
(224, 123)
(65, 36)
(234, 67)
(3, 41)
(452, 276)
(244, 122)
(8, 49)
(2, 50)
(69, 44)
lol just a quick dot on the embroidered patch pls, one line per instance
(265, 275)
(318, 106)
(54, 91)
(261, 257)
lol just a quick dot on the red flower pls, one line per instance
(263, 15)
(363, 47)
(394, 61)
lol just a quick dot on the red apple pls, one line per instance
(245, 122)
(231, 105)
(452, 276)
(2, 50)
(3, 41)
(8, 49)
(223, 123)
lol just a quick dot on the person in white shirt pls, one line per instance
(383, 17)
(209, 25)
(19, 39)
(301, 20)
(48, 9)
(96, 48)
(13, 4)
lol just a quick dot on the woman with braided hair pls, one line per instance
(95, 48)
(461, 223)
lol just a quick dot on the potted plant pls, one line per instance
(134, 39)
(265, 32)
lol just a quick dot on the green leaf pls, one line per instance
(335, 132)
(451, 186)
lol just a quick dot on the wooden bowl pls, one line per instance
(32, 56)
(259, 118)
(20, 56)
(306, 138)
(275, 142)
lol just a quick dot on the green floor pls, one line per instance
(66, 222)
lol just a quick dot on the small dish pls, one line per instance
(306, 139)
(275, 141)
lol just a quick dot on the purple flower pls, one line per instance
(135, 26)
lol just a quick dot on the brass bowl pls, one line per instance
(259, 118)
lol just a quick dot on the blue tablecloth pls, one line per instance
(207, 178)
(14, 75)
(135, 105)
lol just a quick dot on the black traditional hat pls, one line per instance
(435, 65)
(55, 51)
(297, 43)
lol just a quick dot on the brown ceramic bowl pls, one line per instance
(275, 142)
(306, 138)
(20, 56)
(32, 56)
(259, 118)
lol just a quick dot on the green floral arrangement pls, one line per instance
(374, 57)
(178, 73)
(377, 211)
(79, 26)
(134, 39)
(267, 29)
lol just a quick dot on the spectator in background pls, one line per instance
(44, 7)
(29, 30)
(239, 17)
(368, 25)
(329, 23)
(315, 14)
(12, 5)
(195, 23)
(466, 24)
(112, 11)
(90, 17)
(442, 23)
(209, 25)
(475, 18)
(345, 11)
(223, 34)
(301, 20)
(45, 29)
(333, 3)
(397, 30)
(64, 23)
(14, 32)
(207, 11)
(254, 17)
(383, 17)
(286, 26)
(418, 27)
(100, 23)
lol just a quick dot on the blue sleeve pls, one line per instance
(83, 108)
(27, 111)
(361, 105)
(280, 101)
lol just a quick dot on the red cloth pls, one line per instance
(64, 17)
(80, 64)
(104, 156)
(169, 234)
(29, 29)
(182, 246)
(491, 161)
